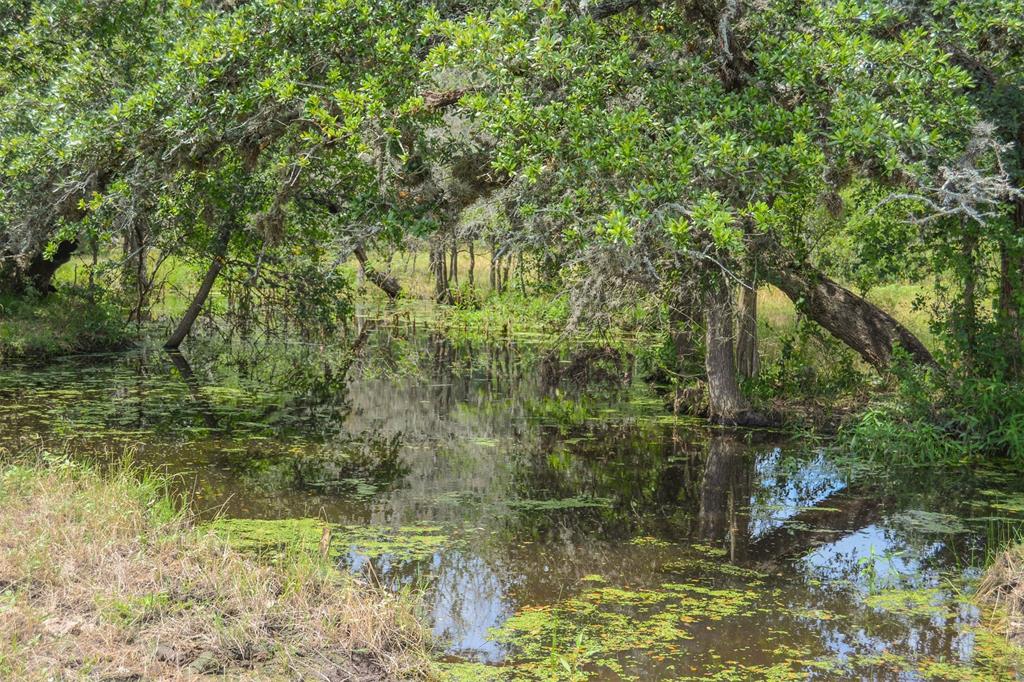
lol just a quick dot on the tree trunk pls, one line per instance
(136, 271)
(220, 247)
(684, 327)
(968, 317)
(748, 363)
(494, 266)
(861, 325)
(472, 264)
(439, 268)
(727, 403)
(453, 270)
(385, 282)
(39, 274)
(1011, 291)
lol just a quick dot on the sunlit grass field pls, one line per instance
(523, 306)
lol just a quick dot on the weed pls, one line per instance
(103, 580)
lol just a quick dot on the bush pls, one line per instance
(942, 419)
(70, 321)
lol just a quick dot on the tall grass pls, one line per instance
(103, 576)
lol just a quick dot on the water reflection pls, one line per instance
(541, 491)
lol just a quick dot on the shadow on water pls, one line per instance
(556, 525)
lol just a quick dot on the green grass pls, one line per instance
(66, 322)
(177, 281)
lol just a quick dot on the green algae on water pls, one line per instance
(270, 535)
(603, 625)
(403, 544)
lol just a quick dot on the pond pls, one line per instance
(560, 523)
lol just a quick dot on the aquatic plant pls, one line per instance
(602, 625)
(275, 536)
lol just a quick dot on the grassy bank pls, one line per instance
(34, 328)
(101, 577)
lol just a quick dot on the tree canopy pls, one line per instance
(680, 154)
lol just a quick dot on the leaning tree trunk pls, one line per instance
(727, 404)
(861, 325)
(385, 282)
(220, 248)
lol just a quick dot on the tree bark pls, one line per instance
(384, 281)
(748, 363)
(1011, 291)
(220, 247)
(684, 327)
(136, 271)
(727, 403)
(439, 268)
(39, 274)
(453, 269)
(861, 325)
(968, 317)
(494, 266)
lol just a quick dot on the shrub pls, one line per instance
(70, 321)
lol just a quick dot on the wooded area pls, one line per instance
(803, 216)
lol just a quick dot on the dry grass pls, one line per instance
(101, 579)
(1002, 589)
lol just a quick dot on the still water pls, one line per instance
(558, 520)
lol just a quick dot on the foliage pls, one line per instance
(941, 420)
(69, 322)
(640, 163)
(203, 126)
